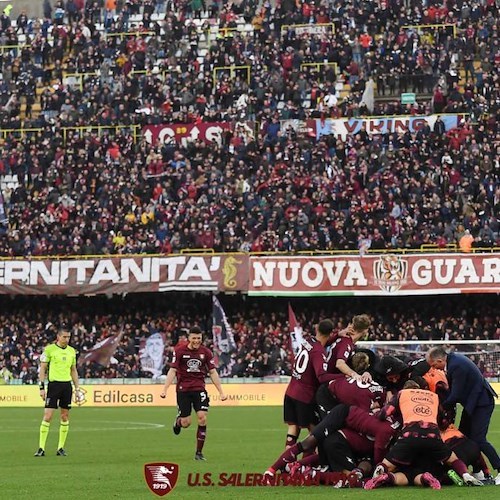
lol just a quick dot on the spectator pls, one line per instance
(5, 375)
(255, 169)
(259, 327)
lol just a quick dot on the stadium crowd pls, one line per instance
(260, 328)
(257, 188)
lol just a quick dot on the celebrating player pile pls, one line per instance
(384, 422)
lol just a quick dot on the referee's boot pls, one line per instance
(40, 452)
(61, 453)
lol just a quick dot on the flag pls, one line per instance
(221, 329)
(296, 333)
(3, 216)
(368, 98)
(102, 352)
(152, 354)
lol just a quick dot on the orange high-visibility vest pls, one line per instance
(451, 432)
(417, 405)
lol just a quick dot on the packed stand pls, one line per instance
(108, 192)
(260, 328)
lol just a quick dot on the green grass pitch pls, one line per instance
(108, 448)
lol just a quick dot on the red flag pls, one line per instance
(4, 220)
(102, 352)
(296, 333)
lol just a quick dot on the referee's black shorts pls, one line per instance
(59, 395)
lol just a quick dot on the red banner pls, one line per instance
(183, 133)
(215, 273)
(375, 275)
(387, 274)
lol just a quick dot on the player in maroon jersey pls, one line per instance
(350, 391)
(341, 416)
(342, 348)
(309, 371)
(354, 392)
(344, 452)
(191, 363)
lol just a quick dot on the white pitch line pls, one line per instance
(129, 426)
(147, 424)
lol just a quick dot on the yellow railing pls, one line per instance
(4, 132)
(197, 251)
(449, 247)
(27, 43)
(80, 77)
(22, 132)
(100, 129)
(232, 72)
(10, 47)
(210, 252)
(420, 27)
(318, 65)
(225, 32)
(148, 72)
(130, 33)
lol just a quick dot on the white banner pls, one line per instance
(151, 354)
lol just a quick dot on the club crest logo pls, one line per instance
(193, 365)
(161, 477)
(391, 272)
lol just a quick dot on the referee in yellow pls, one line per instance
(59, 360)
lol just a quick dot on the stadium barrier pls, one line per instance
(226, 32)
(342, 127)
(100, 129)
(218, 70)
(114, 395)
(422, 28)
(77, 79)
(19, 132)
(267, 275)
(130, 34)
(318, 65)
(108, 395)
